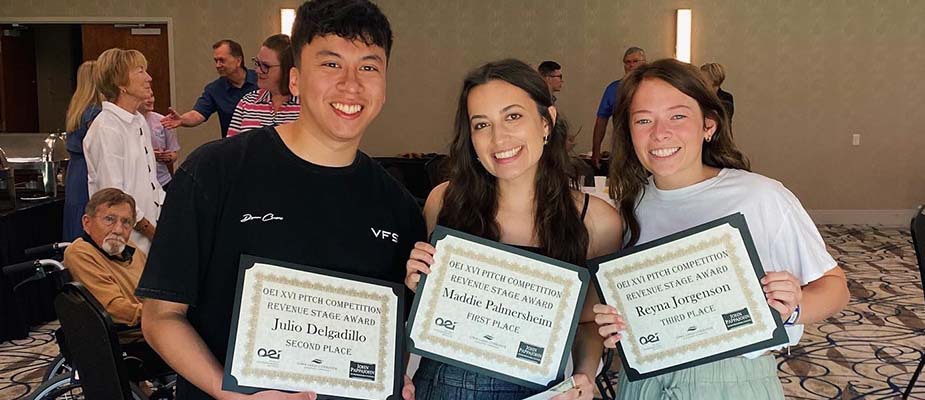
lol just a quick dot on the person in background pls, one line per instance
(221, 95)
(272, 104)
(675, 166)
(83, 108)
(552, 74)
(511, 184)
(633, 58)
(715, 74)
(118, 143)
(163, 140)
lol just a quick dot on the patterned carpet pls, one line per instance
(868, 351)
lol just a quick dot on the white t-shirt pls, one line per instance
(119, 155)
(785, 237)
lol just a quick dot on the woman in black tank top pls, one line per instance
(512, 182)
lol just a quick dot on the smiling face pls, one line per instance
(225, 63)
(269, 70)
(147, 105)
(507, 130)
(668, 130)
(341, 85)
(139, 84)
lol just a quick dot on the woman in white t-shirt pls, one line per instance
(674, 167)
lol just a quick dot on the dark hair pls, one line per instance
(109, 197)
(627, 175)
(281, 44)
(548, 67)
(233, 46)
(471, 200)
(350, 19)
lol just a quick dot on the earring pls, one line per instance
(709, 138)
(545, 139)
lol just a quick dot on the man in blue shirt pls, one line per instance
(221, 95)
(633, 58)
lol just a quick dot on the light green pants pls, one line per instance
(733, 378)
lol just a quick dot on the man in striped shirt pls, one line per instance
(272, 104)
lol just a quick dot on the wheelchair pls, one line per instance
(88, 337)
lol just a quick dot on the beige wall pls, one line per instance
(805, 75)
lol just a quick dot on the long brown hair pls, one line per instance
(471, 200)
(628, 177)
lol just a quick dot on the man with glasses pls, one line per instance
(104, 260)
(272, 104)
(109, 266)
(222, 94)
(552, 74)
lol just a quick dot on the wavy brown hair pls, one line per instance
(471, 200)
(628, 177)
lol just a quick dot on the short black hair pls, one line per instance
(350, 19)
(546, 68)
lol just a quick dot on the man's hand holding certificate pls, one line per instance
(690, 298)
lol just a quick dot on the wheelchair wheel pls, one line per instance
(57, 367)
(66, 387)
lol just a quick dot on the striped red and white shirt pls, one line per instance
(255, 110)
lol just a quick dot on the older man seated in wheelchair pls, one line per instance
(109, 266)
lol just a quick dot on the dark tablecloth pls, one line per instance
(32, 224)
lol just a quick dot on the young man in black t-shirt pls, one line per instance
(300, 193)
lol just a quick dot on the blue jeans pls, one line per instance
(437, 381)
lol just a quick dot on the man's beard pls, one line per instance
(113, 245)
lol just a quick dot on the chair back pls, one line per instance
(409, 172)
(438, 170)
(94, 348)
(917, 229)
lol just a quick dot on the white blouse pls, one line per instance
(119, 155)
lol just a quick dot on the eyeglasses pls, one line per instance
(555, 76)
(262, 66)
(110, 220)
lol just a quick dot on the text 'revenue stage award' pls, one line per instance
(299, 328)
(690, 298)
(497, 309)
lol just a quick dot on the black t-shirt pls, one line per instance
(250, 194)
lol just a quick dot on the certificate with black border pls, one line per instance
(690, 298)
(496, 309)
(300, 328)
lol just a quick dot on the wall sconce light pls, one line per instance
(286, 18)
(682, 50)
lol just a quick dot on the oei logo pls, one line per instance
(269, 353)
(653, 338)
(442, 322)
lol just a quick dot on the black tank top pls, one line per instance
(537, 250)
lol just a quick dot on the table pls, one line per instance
(31, 224)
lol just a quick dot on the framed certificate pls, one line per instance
(497, 310)
(298, 328)
(690, 298)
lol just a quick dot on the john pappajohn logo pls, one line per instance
(384, 234)
(262, 218)
(445, 323)
(649, 339)
(363, 371)
(530, 353)
(738, 318)
(269, 353)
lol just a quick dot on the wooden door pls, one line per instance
(149, 39)
(18, 83)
